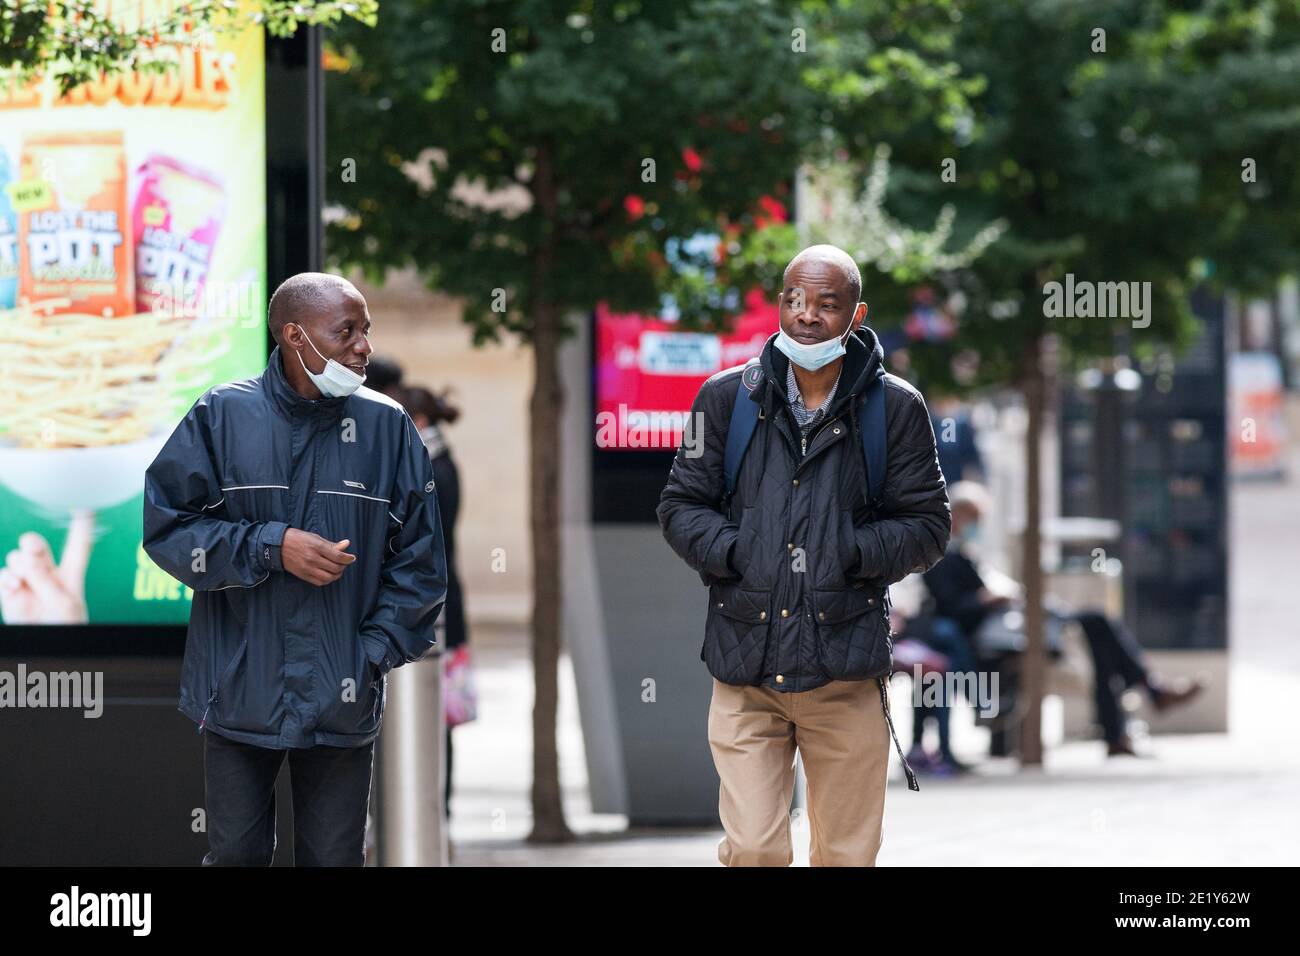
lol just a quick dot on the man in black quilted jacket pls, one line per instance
(797, 563)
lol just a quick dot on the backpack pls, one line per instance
(871, 419)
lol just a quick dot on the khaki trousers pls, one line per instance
(840, 731)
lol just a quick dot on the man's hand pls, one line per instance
(313, 558)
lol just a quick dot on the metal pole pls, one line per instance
(1108, 448)
(412, 830)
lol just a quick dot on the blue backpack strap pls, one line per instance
(872, 426)
(744, 418)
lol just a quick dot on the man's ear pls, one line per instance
(855, 323)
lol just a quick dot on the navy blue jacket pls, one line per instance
(270, 659)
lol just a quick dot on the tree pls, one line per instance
(75, 41)
(609, 131)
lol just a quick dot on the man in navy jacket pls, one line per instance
(300, 507)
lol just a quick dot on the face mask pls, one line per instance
(970, 534)
(337, 381)
(812, 357)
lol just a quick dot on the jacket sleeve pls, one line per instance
(690, 506)
(413, 585)
(184, 532)
(911, 534)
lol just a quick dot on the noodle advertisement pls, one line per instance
(132, 278)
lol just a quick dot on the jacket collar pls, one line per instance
(289, 402)
(864, 362)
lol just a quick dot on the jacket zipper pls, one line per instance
(807, 594)
(804, 438)
(216, 689)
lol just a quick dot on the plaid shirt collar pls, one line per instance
(805, 417)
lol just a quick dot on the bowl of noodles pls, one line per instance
(90, 399)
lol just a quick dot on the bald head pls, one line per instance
(820, 295)
(307, 295)
(834, 257)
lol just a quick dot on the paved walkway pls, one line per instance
(1207, 799)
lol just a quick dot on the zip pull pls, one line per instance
(217, 689)
(805, 444)
(204, 722)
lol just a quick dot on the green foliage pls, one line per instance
(77, 40)
(718, 94)
(1123, 165)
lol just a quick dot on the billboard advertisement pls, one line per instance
(648, 371)
(132, 278)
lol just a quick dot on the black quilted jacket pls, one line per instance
(797, 566)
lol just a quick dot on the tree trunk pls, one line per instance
(544, 477)
(1034, 663)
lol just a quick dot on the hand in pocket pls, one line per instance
(850, 559)
(742, 554)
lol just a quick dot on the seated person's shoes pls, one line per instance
(1166, 695)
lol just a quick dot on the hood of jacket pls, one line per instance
(864, 362)
(287, 400)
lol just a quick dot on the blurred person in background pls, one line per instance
(945, 638)
(927, 648)
(384, 375)
(959, 460)
(972, 597)
(430, 411)
(955, 439)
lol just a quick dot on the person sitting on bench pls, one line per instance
(961, 594)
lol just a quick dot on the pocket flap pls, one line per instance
(739, 604)
(836, 605)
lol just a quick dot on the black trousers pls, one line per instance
(331, 793)
(1117, 660)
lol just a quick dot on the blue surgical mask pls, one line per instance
(812, 357)
(970, 534)
(337, 381)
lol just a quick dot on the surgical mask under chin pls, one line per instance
(810, 357)
(336, 381)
